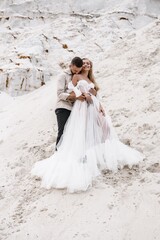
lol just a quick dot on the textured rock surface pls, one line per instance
(37, 38)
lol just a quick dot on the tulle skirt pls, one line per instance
(89, 144)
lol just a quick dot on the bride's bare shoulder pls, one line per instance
(77, 76)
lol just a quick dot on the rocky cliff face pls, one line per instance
(38, 39)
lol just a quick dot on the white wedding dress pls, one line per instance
(89, 145)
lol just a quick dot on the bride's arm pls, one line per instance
(87, 96)
(75, 79)
(72, 86)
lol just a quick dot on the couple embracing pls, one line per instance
(86, 142)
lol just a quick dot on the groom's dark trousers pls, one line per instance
(62, 117)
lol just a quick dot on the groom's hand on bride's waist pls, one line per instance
(93, 91)
(88, 98)
(81, 98)
(72, 97)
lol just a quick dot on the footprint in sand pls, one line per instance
(154, 168)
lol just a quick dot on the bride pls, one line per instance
(89, 143)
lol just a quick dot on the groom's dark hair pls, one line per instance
(77, 61)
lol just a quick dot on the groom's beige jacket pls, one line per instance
(63, 91)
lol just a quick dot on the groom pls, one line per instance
(65, 100)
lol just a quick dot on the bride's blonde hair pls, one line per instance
(91, 76)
